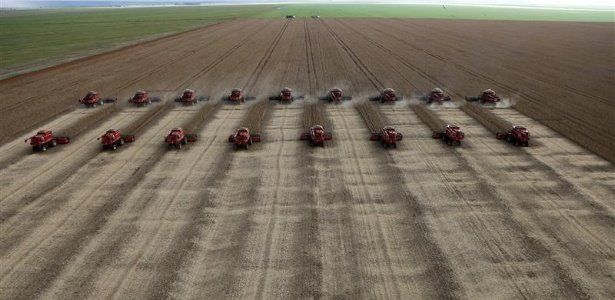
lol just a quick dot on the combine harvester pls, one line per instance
(178, 137)
(142, 98)
(387, 95)
(487, 97)
(113, 139)
(45, 139)
(449, 133)
(516, 135)
(436, 96)
(388, 136)
(286, 96)
(92, 98)
(336, 95)
(189, 97)
(242, 138)
(314, 121)
(237, 96)
(249, 131)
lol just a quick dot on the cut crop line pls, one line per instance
(60, 224)
(150, 239)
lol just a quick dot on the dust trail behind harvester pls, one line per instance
(373, 117)
(253, 119)
(428, 117)
(314, 114)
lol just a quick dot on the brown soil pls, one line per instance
(351, 220)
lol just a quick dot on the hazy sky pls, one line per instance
(580, 3)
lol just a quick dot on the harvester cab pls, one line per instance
(45, 139)
(92, 98)
(451, 135)
(317, 136)
(177, 137)
(488, 96)
(242, 138)
(286, 96)
(387, 95)
(142, 98)
(237, 96)
(388, 137)
(336, 95)
(113, 138)
(189, 97)
(437, 95)
(517, 135)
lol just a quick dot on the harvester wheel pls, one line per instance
(121, 142)
(185, 141)
(179, 146)
(43, 148)
(53, 143)
(114, 147)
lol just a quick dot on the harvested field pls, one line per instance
(485, 220)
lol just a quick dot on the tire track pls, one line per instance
(220, 59)
(373, 79)
(486, 78)
(186, 237)
(78, 79)
(252, 79)
(41, 189)
(568, 282)
(51, 265)
(532, 249)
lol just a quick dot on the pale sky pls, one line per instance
(550, 3)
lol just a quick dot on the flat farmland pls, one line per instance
(285, 220)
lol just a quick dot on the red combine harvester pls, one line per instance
(237, 96)
(178, 137)
(45, 139)
(488, 96)
(387, 95)
(317, 136)
(242, 138)
(92, 98)
(387, 136)
(142, 98)
(113, 138)
(436, 95)
(517, 135)
(336, 95)
(451, 135)
(286, 96)
(189, 97)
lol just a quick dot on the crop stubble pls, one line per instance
(349, 234)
